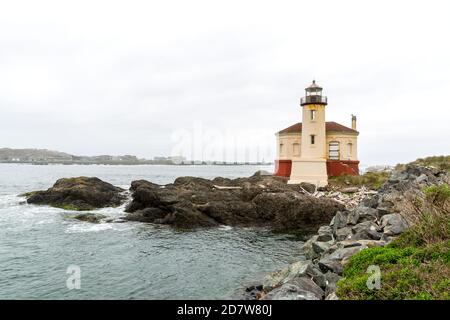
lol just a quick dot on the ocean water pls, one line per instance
(127, 260)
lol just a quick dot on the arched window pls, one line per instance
(333, 150)
(296, 149)
(281, 149)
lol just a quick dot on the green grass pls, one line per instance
(440, 162)
(416, 265)
(406, 273)
(372, 180)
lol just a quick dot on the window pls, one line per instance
(296, 149)
(333, 150)
(313, 114)
(313, 138)
(350, 149)
(281, 149)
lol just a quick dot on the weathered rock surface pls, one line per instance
(278, 278)
(82, 193)
(259, 200)
(393, 224)
(300, 288)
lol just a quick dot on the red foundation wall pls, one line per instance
(334, 168)
(283, 168)
(342, 167)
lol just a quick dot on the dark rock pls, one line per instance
(147, 215)
(142, 183)
(80, 193)
(90, 217)
(296, 211)
(253, 292)
(260, 200)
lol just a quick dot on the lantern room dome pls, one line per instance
(313, 87)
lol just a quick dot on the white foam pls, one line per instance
(226, 228)
(82, 227)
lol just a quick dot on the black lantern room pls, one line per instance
(313, 95)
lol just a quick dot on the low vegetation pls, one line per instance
(439, 162)
(371, 180)
(416, 265)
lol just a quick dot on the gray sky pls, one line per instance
(135, 77)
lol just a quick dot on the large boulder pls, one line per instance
(301, 288)
(393, 224)
(256, 201)
(278, 278)
(82, 193)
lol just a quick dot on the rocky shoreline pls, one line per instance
(340, 223)
(375, 221)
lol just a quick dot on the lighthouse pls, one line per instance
(311, 166)
(313, 150)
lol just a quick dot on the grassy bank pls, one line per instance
(371, 180)
(414, 266)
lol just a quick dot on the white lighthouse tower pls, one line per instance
(311, 165)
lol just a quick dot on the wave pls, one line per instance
(83, 227)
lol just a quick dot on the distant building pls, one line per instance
(313, 150)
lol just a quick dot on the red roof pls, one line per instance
(330, 126)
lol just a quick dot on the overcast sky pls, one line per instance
(138, 77)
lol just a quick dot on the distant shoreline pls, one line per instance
(138, 163)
